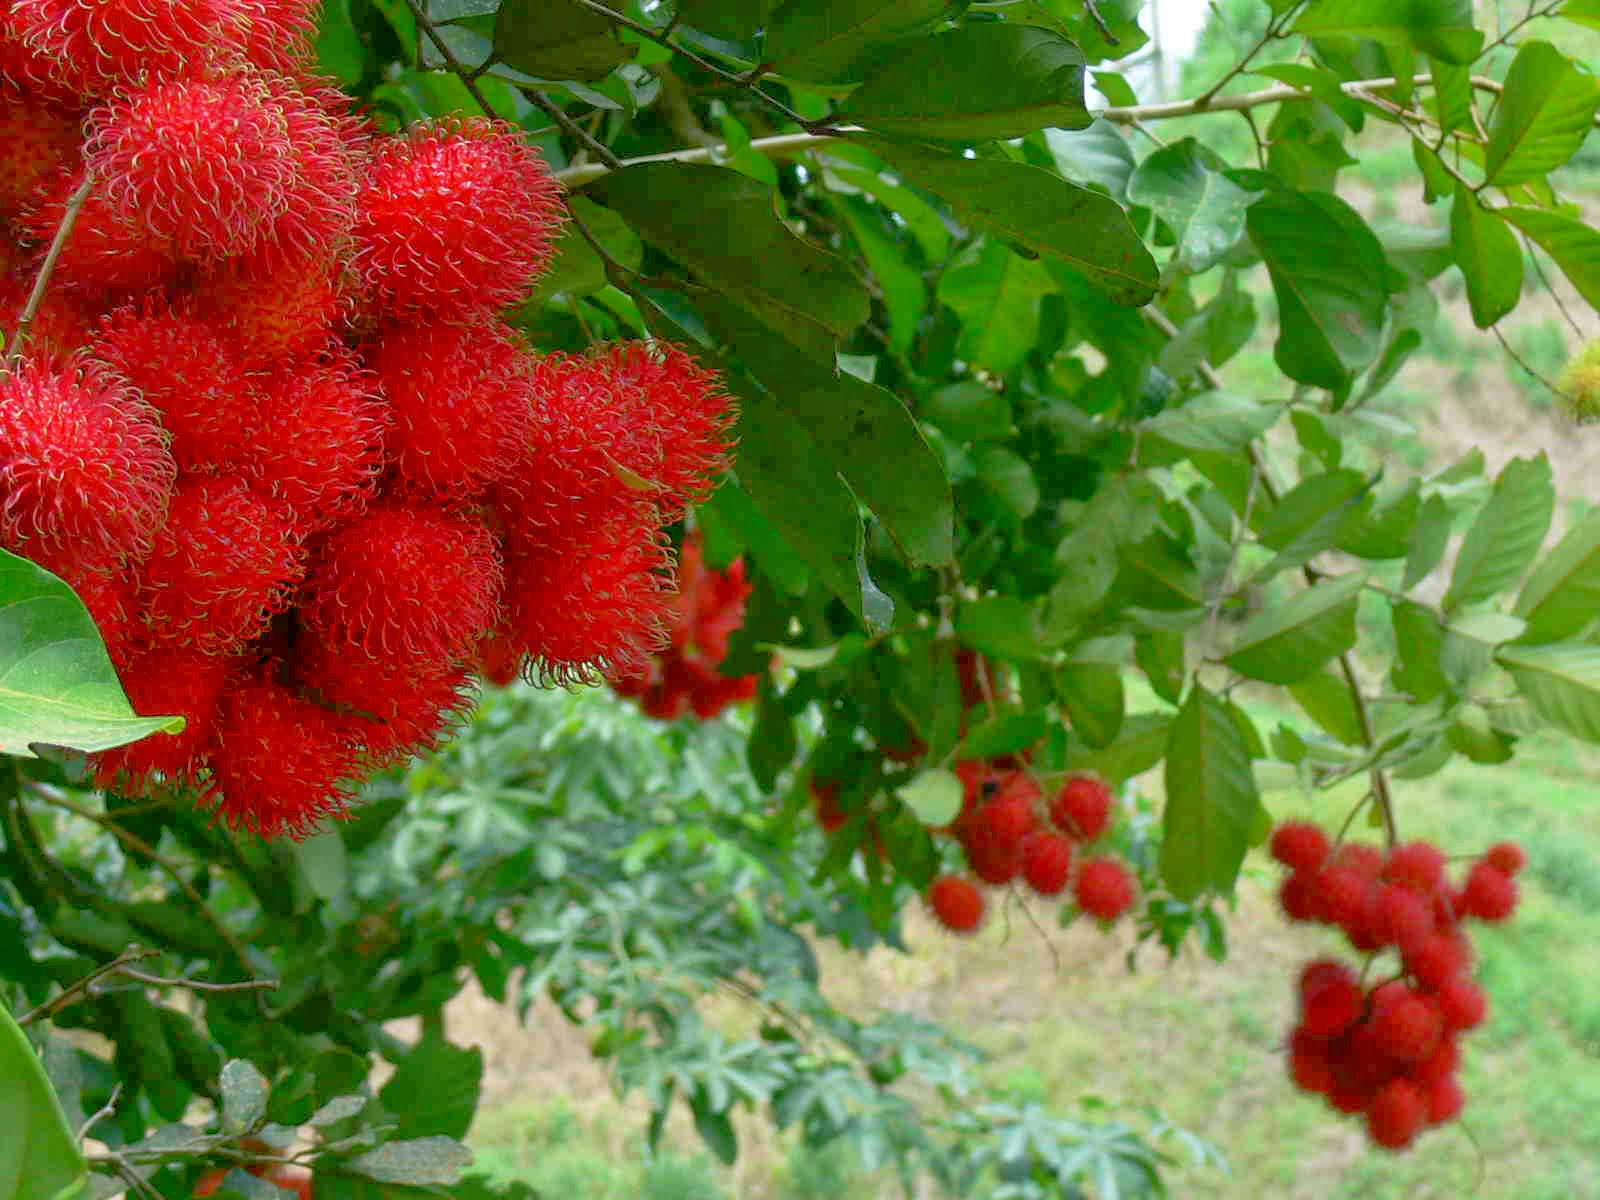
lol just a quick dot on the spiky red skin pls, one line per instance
(109, 599)
(1331, 999)
(1506, 856)
(1344, 896)
(462, 403)
(282, 763)
(85, 474)
(1105, 888)
(1407, 1025)
(1490, 894)
(1299, 845)
(105, 253)
(1082, 809)
(36, 142)
(61, 327)
(1298, 898)
(201, 165)
(1398, 1112)
(278, 33)
(1309, 1066)
(193, 376)
(1419, 866)
(273, 308)
(996, 863)
(1047, 862)
(323, 457)
(1461, 1003)
(159, 683)
(457, 217)
(1399, 917)
(97, 46)
(223, 564)
(332, 152)
(26, 68)
(405, 580)
(957, 903)
(1436, 960)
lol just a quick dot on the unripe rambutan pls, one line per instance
(1299, 845)
(161, 683)
(193, 376)
(1490, 894)
(325, 451)
(37, 142)
(1082, 809)
(456, 218)
(85, 474)
(1578, 388)
(957, 903)
(105, 43)
(1105, 888)
(224, 563)
(200, 164)
(1047, 862)
(1398, 1112)
(405, 580)
(462, 403)
(281, 763)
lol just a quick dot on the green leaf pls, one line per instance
(1328, 272)
(1562, 596)
(1220, 421)
(1545, 112)
(899, 282)
(1287, 642)
(1007, 733)
(1029, 207)
(434, 1090)
(322, 864)
(1321, 83)
(975, 83)
(39, 1156)
(1326, 699)
(1307, 520)
(57, 685)
(722, 226)
(1566, 238)
(738, 20)
(419, 1161)
(934, 796)
(1562, 682)
(1007, 476)
(1000, 625)
(1441, 28)
(1140, 746)
(1489, 257)
(1098, 154)
(996, 294)
(1429, 539)
(1212, 804)
(1504, 540)
(1183, 184)
(577, 270)
(969, 412)
(1419, 643)
(244, 1097)
(1091, 694)
(558, 39)
(836, 41)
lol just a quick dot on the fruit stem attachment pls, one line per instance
(69, 218)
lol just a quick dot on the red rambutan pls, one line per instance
(1506, 856)
(1082, 809)
(1490, 894)
(1105, 888)
(1299, 845)
(37, 142)
(957, 903)
(106, 43)
(1398, 1111)
(105, 252)
(163, 682)
(273, 307)
(1419, 866)
(1047, 862)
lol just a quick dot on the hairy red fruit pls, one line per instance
(1397, 1114)
(1082, 808)
(274, 308)
(405, 580)
(1407, 1026)
(1399, 917)
(278, 34)
(462, 401)
(457, 218)
(24, 67)
(105, 252)
(223, 564)
(201, 165)
(1436, 960)
(61, 327)
(996, 863)
(195, 379)
(85, 474)
(332, 152)
(1298, 897)
(109, 599)
(1299, 845)
(1461, 1003)
(957, 903)
(1009, 816)
(1105, 888)
(1309, 1065)
(1445, 1100)
(1444, 1060)
(162, 683)
(37, 142)
(1331, 999)
(1343, 896)
(1047, 862)
(1490, 894)
(98, 46)
(282, 763)
(1416, 865)
(1366, 861)
(1506, 856)
(325, 451)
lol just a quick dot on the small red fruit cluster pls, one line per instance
(268, 421)
(1389, 1050)
(685, 675)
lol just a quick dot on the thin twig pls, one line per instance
(75, 991)
(467, 79)
(69, 218)
(575, 131)
(197, 985)
(1204, 99)
(1522, 362)
(109, 1108)
(1093, 9)
(1538, 269)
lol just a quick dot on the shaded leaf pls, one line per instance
(558, 39)
(1212, 803)
(39, 1156)
(1287, 642)
(996, 294)
(834, 41)
(1562, 596)
(1183, 184)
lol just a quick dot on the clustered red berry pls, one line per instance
(1389, 1049)
(685, 675)
(270, 424)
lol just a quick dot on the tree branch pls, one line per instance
(69, 218)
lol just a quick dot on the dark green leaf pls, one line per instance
(577, 270)
(969, 412)
(1562, 596)
(1326, 699)
(1005, 734)
(837, 41)
(434, 1090)
(976, 83)
(1321, 83)
(1489, 257)
(1214, 421)
(1091, 694)
(899, 282)
(1562, 682)
(1307, 520)
(1505, 538)
(996, 294)
(1441, 28)
(39, 1156)
(1545, 112)
(1419, 644)
(1007, 476)
(1287, 642)
(1002, 626)
(739, 20)
(558, 39)
(1032, 208)
(1212, 804)
(1183, 184)
(1098, 154)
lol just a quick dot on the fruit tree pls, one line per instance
(860, 389)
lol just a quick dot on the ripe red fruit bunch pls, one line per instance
(1385, 1043)
(270, 424)
(685, 675)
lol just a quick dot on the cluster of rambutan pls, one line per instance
(685, 675)
(1389, 1049)
(268, 423)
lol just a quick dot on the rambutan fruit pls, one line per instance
(1344, 896)
(1400, 917)
(109, 599)
(1446, 1099)
(1436, 960)
(161, 683)
(107, 43)
(200, 164)
(37, 142)
(1297, 896)
(1490, 894)
(829, 809)
(325, 451)
(499, 659)
(224, 563)
(1365, 860)
(278, 34)
(457, 217)
(462, 403)
(1419, 866)
(85, 473)
(1105, 888)
(193, 375)
(61, 326)
(957, 903)
(1047, 862)
(1309, 1066)
(1299, 845)
(1461, 1003)
(25, 68)
(405, 580)
(1445, 1059)
(105, 252)
(1331, 999)
(1082, 808)
(1507, 857)
(1407, 1026)
(281, 762)
(996, 863)
(273, 307)
(1398, 1111)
